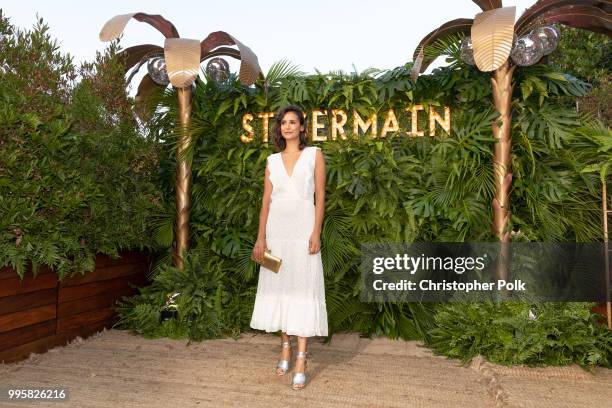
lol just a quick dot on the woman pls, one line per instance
(292, 300)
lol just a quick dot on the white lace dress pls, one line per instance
(292, 300)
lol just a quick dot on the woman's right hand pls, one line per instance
(258, 249)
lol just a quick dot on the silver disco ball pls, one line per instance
(528, 50)
(218, 70)
(157, 69)
(467, 52)
(549, 37)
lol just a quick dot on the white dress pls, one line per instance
(292, 300)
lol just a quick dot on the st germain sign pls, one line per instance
(331, 123)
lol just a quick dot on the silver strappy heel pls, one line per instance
(299, 379)
(283, 365)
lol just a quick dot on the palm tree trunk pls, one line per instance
(502, 98)
(183, 177)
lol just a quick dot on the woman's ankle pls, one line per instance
(300, 363)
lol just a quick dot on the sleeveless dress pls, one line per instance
(292, 300)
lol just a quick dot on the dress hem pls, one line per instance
(273, 330)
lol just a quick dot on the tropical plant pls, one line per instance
(493, 37)
(212, 303)
(522, 333)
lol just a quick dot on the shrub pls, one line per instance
(76, 179)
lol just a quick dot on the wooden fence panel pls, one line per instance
(39, 313)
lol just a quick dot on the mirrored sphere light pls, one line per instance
(514, 42)
(528, 50)
(549, 37)
(467, 52)
(218, 69)
(157, 70)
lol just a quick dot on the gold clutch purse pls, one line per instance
(269, 261)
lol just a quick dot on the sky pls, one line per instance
(327, 35)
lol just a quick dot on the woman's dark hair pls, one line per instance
(277, 136)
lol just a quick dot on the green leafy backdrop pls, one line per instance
(395, 189)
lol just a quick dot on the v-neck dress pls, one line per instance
(292, 300)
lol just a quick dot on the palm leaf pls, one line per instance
(162, 225)
(343, 306)
(449, 45)
(138, 55)
(486, 5)
(161, 262)
(145, 105)
(418, 63)
(460, 25)
(283, 69)
(249, 65)
(338, 249)
(159, 23)
(114, 27)
(222, 51)
(182, 60)
(593, 15)
(245, 267)
(492, 35)
(585, 17)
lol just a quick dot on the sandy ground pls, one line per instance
(117, 369)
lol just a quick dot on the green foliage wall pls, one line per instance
(408, 189)
(76, 178)
(392, 189)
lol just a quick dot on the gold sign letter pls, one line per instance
(391, 124)
(246, 118)
(435, 117)
(359, 124)
(415, 123)
(338, 127)
(316, 126)
(266, 123)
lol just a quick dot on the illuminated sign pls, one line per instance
(331, 124)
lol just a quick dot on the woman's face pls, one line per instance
(290, 126)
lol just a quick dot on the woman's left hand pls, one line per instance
(314, 243)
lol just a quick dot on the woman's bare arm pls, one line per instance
(260, 244)
(265, 206)
(319, 176)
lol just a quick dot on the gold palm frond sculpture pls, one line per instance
(492, 40)
(182, 57)
(492, 35)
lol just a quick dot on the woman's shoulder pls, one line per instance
(271, 158)
(315, 151)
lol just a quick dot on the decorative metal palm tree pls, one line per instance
(179, 66)
(491, 44)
